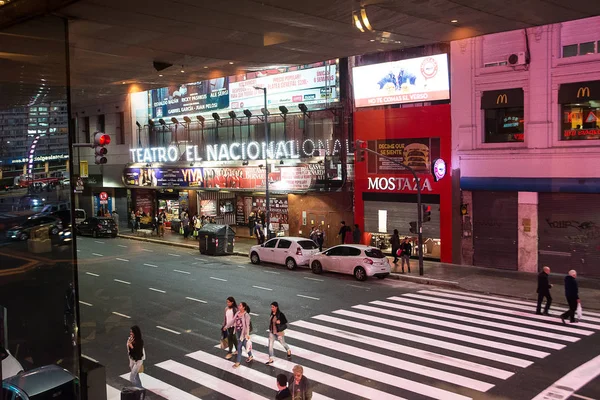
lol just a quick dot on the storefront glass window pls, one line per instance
(586, 48)
(580, 121)
(504, 125)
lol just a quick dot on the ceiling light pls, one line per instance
(365, 20)
(454, 21)
(160, 75)
(357, 22)
(123, 83)
(372, 40)
(205, 67)
(231, 62)
(182, 71)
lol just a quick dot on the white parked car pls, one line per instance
(354, 259)
(10, 365)
(288, 251)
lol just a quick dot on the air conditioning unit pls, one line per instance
(517, 59)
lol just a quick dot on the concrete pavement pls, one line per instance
(469, 278)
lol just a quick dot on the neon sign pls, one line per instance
(291, 149)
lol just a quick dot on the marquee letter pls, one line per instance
(132, 151)
(188, 153)
(211, 152)
(223, 153)
(162, 154)
(172, 153)
(147, 156)
(253, 150)
(234, 154)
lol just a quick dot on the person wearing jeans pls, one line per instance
(135, 348)
(277, 327)
(241, 324)
(230, 311)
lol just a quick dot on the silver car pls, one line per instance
(49, 382)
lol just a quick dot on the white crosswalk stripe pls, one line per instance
(432, 344)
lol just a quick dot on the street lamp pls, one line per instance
(266, 113)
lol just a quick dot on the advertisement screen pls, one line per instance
(405, 81)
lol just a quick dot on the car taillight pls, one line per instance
(299, 251)
(368, 261)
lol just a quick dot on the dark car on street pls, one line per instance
(97, 226)
(31, 202)
(23, 231)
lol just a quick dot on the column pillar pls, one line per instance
(528, 232)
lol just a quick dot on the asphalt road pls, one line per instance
(374, 339)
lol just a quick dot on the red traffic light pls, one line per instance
(361, 144)
(101, 139)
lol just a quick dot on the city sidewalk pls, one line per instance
(476, 279)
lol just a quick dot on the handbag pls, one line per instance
(579, 311)
(181, 230)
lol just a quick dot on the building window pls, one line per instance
(504, 116)
(581, 49)
(504, 125)
(580, 106)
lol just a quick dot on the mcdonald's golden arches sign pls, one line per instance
(502, 98)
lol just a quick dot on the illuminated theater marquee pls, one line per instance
(236, 151)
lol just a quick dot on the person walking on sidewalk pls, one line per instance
(572, 295)
(356, 234)
(277, 327)
(543, 290)
(395, 242)
(342, 232)
(299, 385)
(161, 219)
(197, 227)
(186, 226)
(320, 237)
(405, 252)
(241, 323)
(230, 311)
(135, 349)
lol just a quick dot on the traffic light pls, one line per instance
(100, 140)
(361, 145)
(426, 213)
(413, 227)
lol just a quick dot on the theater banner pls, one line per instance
(285, 178)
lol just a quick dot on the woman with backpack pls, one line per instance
(242, 326)
(277, 327)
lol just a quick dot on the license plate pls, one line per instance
(108, 231)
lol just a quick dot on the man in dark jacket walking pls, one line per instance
(283, 393)
(543, 290)
(572, 295)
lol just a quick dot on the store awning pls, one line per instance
(506, 98)
(579, 92)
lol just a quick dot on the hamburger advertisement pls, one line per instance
(417, 154)
(404, 81)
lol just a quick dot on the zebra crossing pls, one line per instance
(435, 344)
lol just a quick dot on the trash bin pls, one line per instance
(93, 380)
(216, 240)
(133, 393)
(175, 225)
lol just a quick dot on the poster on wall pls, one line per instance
(208, 208)
(191, 98)
(240, 215)
(404, 81)
(417, 153)
(144, 201)
(298, 177)
(226, 206)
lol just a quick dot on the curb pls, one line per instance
(424, 280)
(180, 245)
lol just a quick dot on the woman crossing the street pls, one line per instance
(230, 311)
(277, 327)
(241, 324)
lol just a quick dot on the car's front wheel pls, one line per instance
(254, 258)
(23, 236)
(360, 274)
(316, 267)
(290, 263)
(54, 231)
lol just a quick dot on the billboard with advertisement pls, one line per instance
(189, 99)
(417, 153)
(310, 86)
(299, 177)
(404, 81)
(289, 86)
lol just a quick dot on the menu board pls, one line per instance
(417, 153)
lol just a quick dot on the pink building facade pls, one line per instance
(526, 146)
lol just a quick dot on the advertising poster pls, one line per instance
(208, 208)
(405, 81)
(417, 153)
(144, 201)
(240, 216)
(191, 98)
(299, 177)
(309, 86)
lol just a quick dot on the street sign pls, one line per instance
(83, 169)
(103, 197)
